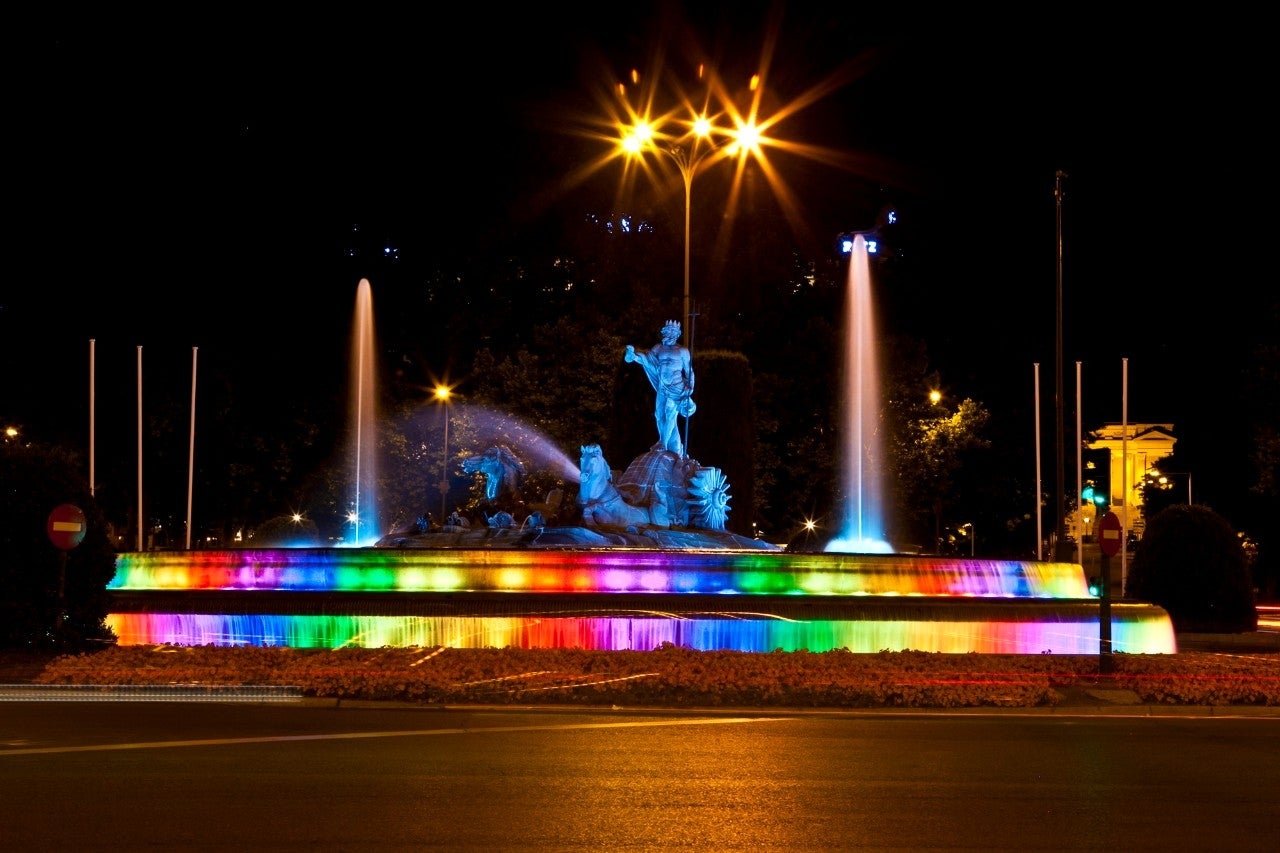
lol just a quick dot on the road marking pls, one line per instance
(169, 744)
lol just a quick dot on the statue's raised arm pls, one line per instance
(669, 368)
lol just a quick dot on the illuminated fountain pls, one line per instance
(861, 458)
(632, 586)
(364, 416)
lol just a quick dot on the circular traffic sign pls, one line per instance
(66, 526)
(1109, 534)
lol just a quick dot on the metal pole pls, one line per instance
(1126, 491)
(191, 452)
(1079, 473)
(1035, 373)
(92, 390)
(140, 448)
(1060, 481)
(686, 169)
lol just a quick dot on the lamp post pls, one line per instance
(968, 525)
(688, 158)
(1162, 480)
(1060, 498)
(443, 392)
(687, 161)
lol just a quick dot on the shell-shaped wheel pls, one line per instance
(709, 499)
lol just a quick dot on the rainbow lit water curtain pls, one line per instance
(868, 602)
(862, 524)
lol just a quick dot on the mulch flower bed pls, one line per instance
(672, 676)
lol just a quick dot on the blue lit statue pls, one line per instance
(669, 368)
(504, 472)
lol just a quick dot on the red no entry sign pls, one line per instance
(1109, 534)
(66, 526)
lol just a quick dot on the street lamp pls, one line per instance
(1162, 481)
(1060, 499)
(688, 158)
(443, 393)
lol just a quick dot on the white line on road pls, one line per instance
(169, 744)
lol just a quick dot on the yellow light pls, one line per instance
(746, 139)
(443, 392)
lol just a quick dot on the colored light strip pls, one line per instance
(600, 571)
(1146, 632)
(919, 601)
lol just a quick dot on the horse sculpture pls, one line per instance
(659, 488)
(504, 472)
(601, 501)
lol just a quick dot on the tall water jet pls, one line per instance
(364, 418)
(861, 459)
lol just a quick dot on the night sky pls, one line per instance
(178, 183)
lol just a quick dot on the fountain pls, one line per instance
(862, 524)
(364, 417)
(645, 561)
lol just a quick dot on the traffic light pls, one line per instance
(1095, 586)
(1098, 471)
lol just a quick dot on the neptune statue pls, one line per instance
(669, 368)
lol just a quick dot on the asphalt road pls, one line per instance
(318, 776)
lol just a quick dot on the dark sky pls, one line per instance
(172, 175)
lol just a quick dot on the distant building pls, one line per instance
(1134, 449)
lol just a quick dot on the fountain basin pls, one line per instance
(617, 598)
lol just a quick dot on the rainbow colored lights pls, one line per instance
(600, 600)
(607, 570)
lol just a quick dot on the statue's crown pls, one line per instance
(672, 326)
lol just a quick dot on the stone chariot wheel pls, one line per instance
(709, 499)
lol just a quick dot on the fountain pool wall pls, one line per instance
(616, 599)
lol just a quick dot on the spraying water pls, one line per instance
(862, 523)
(364, 415)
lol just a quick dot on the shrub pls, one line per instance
(50, 599)
(1190, 562)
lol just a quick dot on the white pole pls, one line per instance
(191, 453)
(1039, 523)
(1124, 469)
(140, 448)
(91, 413)
(1079, 476)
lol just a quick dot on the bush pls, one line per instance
(33, 615)
(1190, 562)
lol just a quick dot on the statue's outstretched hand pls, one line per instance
(630, 355)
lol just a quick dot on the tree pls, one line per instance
(1191, 563)
(49, 598)
(927, 457)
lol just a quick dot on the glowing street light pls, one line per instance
(688, 157)
(1160, 479)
